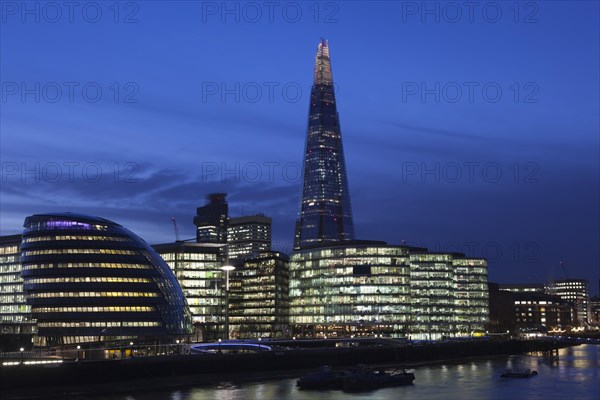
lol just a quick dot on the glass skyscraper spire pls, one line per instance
(326, 215)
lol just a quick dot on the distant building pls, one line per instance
(502, 313)
(523, 287)
(261, 297)
(534, 310)
(211, 219)
(577, 292)
(197, 267)
(595, 310)
(15, 313)
(248, 236)
(88, 279)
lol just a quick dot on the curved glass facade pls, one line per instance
(89, 279)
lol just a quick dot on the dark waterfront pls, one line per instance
(576, 376)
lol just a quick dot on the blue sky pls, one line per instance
(473, 130)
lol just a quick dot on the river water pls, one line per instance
(576, 376)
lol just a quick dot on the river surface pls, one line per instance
(576, 376)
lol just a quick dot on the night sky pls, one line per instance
(473, 130)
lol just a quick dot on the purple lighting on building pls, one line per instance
(67, 225)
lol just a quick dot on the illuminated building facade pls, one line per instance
(370, 288)
(211, 219)
(197, 267)
(595, 310)
(449, 295)
(577, 292)
(357, 288)
(471, 294)
(539, 311)
(262, 297)
(89, 279)
(325, 214)
(522, 287)
(248, 236)
(15, 313)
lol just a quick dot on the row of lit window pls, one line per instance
(9, 249)
(86, 265)
(74, 237)
(124, 324)
(77, 251)
(12, 269)
(185, 256)
(93, 309)
(82, 279)
(93, 294)
(59, 224)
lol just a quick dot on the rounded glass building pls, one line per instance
(89, 279)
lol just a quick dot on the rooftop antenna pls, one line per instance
(562, 266)
(175, 229)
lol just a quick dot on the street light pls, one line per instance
(21, 350)
(78, 348)
(227, 268)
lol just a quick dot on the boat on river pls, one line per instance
(518, 373)
(370, 379)
(325, 378)
(360, 378)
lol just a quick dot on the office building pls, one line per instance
(261, 293)
(211, 219)
(595, 310)
(89, 279)
(15, 313)
(449, 295)
(325, 212)
(197, 267)
(536, 311)
(248, 236)
(502, 313)
(357, 288)
(577, 292)
(522, 287)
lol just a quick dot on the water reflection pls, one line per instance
(576, 376)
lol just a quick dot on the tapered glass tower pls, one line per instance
(325, 215)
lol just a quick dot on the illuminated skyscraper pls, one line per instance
(325, 214)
